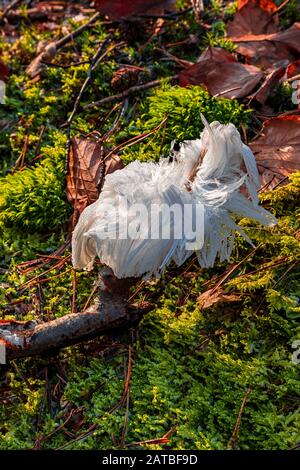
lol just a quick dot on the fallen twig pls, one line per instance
(49, 51)
(235, 434)
(8, 8)
(128, 92)
(96, 59)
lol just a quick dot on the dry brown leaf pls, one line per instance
(45, 54)
(270, 50)
(120, 9)
(277, 150)
(86, 171)
(223, 76)
(252, 19)
(214, 296)
(270, 81)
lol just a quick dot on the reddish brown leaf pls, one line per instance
(252, 19)
(120, 9)
(270, 81)
(217, 54)
(222, 74)
(267, 5)
(87, 168)
(214, 296)
(277, 150)
(269, 50)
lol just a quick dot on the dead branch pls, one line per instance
(109, 312)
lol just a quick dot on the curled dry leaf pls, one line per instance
(46, 53)
(215, 296)
(223, 76)
(87, 168)
(277, 150)
(252, 19)
(120, 9)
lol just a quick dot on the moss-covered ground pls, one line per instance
(188, 368)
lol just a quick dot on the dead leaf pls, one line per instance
(277, 150)
(267, 5)
(46, 53)
(222, 74)
(214, 296)
(119, 9)
(252, 19)
(270, 81)
(270, 50)
(86, 171)
(217, 54)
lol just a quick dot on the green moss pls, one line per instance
(33, 199)
(181, 107)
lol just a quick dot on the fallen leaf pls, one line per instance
(277, 150)
(222, 74)
(120, 9)
(252, 19)
(270, 50)
(267, 5)
(262, 94)
(46, 53)
(217, 54)
(214, 296)
(87, 169)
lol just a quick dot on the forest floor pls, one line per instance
(214, 364)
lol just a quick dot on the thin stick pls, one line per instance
(128, 92)
(235, 267)
(9, 7)
(235, 434)
(168, 16)
(136, 139)
(69, 37)
(127, 393)
(96, 59)
(74, 288)
(58, 265)
(96, 286)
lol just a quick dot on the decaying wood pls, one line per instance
(109, 312)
